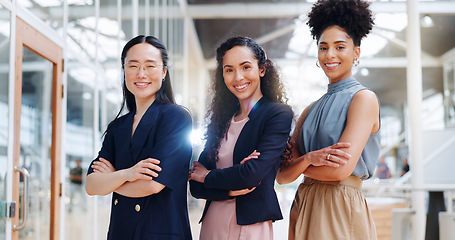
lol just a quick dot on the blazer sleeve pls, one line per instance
(198, 190)
(271, 146)
(173, 146)
(107, 148)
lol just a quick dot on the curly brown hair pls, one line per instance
(224, 103)
(354, 16)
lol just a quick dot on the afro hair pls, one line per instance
(354, 16)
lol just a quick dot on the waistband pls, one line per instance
(351, 181)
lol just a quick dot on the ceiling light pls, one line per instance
(426, 21)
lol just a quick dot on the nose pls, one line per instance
(141, 71)
(331, 53)
(238, 75)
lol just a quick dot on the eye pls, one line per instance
(341, 47)
(150, 66)
(227, 70)
(322, 48)
(246, 67)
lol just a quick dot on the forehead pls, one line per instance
(143, 52)
(334, 34)
(238, 54)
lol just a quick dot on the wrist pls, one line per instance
(207, 173)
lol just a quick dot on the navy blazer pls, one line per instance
(266, 131)
(162, 133)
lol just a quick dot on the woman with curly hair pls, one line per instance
(336, 140)
(248, 128)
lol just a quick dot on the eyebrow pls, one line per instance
(242, 63)
(147, 61)
(336, 42)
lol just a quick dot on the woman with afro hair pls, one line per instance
(249, 125)
(336, 140)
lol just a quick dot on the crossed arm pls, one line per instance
(136, 181)
(362, 120)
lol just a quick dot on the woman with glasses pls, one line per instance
(247, 132)
(145, 155)
(336, 139)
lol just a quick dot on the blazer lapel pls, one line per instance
(141, 133)
(123, 141)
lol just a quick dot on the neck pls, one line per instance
(142, 105)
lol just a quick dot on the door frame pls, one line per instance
(27, 36)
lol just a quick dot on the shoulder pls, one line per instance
(116, 123)
(278, 108)
(175, 112)
(365, 97)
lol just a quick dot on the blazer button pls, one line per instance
(115, 201)
(138, 208)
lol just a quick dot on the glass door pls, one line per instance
(5, 203)
(37, 127)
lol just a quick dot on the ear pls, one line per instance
(357, 52)
(262, 70)
(164, 72)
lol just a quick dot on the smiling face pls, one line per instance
(242, 74)
(144, 72)
(336, 53)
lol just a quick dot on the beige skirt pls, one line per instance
(330, 210)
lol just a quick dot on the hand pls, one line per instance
(240, 192)
(103, 166)
(198, 172)
(254, 154)
(144, 170)
(331, 156)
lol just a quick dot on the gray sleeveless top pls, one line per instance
(325, 122)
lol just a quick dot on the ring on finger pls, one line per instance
(328, 157)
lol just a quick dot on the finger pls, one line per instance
(152, 160)
(153, 167)
(146, 177)
(341, 154)
(341, 145)
(151, 173)
(337, 160)
(331, 164)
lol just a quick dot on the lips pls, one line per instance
(141, 84)
(331, 66)
(241, 87)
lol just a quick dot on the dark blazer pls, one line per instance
(162, 133)
(266, 131)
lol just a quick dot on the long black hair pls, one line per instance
(164, 94)
(225, 104)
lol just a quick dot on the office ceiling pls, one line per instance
(273, 24)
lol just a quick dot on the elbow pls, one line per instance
(282, 180)
(92, 192)
(196, 189)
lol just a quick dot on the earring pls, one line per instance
(317, 64)
(162, 80)
(356, 62)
